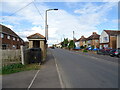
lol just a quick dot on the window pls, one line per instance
(106, 45)
(89, 41)
(4, 46)
(17, 39)
(14, 38)
(96, 40)
(105, 38)
(8, 37)
(2, 35)
(14, 46)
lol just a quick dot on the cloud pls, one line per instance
(61, 23)
(116, 20)
(27, 32)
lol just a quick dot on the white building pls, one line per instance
(108, 39)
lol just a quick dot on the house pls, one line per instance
(10, 40)
(82, 41)
(77, 43)
(58, 45)
(118, 41)
(93, 40)
(38, 41)
(108, 39)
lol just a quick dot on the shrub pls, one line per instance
(82, 47)
(85, 50)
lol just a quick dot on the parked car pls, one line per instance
(96, 49)
(52, 47)
(112, 53)
(117, 52)
(104, 51)
(77, 48)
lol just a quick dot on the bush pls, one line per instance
(85, 50)
(82, 47)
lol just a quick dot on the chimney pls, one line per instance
(94, 33)
(82, 36)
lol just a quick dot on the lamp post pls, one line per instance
(46, 26)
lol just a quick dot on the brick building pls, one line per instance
(82, 41)
(93, 40)
(108, 39)
(9, 39)
(38, 41)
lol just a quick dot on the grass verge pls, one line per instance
(13, 68)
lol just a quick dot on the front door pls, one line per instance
(36, 44)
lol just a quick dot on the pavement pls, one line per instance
(46, 77)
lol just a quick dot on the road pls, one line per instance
(84, 71)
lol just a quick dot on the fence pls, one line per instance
(11, 56)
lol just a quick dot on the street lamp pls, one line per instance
(46, 26)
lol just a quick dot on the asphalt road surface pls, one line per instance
(80, 71)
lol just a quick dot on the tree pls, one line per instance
(71, 44)
(65, 43)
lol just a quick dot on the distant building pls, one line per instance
(93, 40)
(108, 39)
(10, 40)
(77, 43)
(58, 45)
(82, 41)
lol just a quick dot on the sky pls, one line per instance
(27, 17)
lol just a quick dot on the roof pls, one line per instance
(93, 36)
(36, 36)
(75, 39)
(112, 32)
(82, 38)
(8, 31)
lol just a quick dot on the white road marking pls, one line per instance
(59, 75)
(33, 79)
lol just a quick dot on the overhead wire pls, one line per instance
(20, 9)
(25, 7)
(33, 2)
(38, 10)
